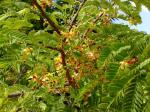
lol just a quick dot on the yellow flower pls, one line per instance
(26, 52)
(70, 34)
(91, 55)
(58, 63)
(123, 65)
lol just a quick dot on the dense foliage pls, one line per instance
(71, 56)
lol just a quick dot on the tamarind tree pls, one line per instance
(71, 56)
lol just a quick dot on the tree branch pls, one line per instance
(71, 80)
(61, 50)
(72, 22)
(51, 23)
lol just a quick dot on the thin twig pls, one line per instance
(90, 29)
(98, 17)
(53, 48)
(72, 22)
(48, 46)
